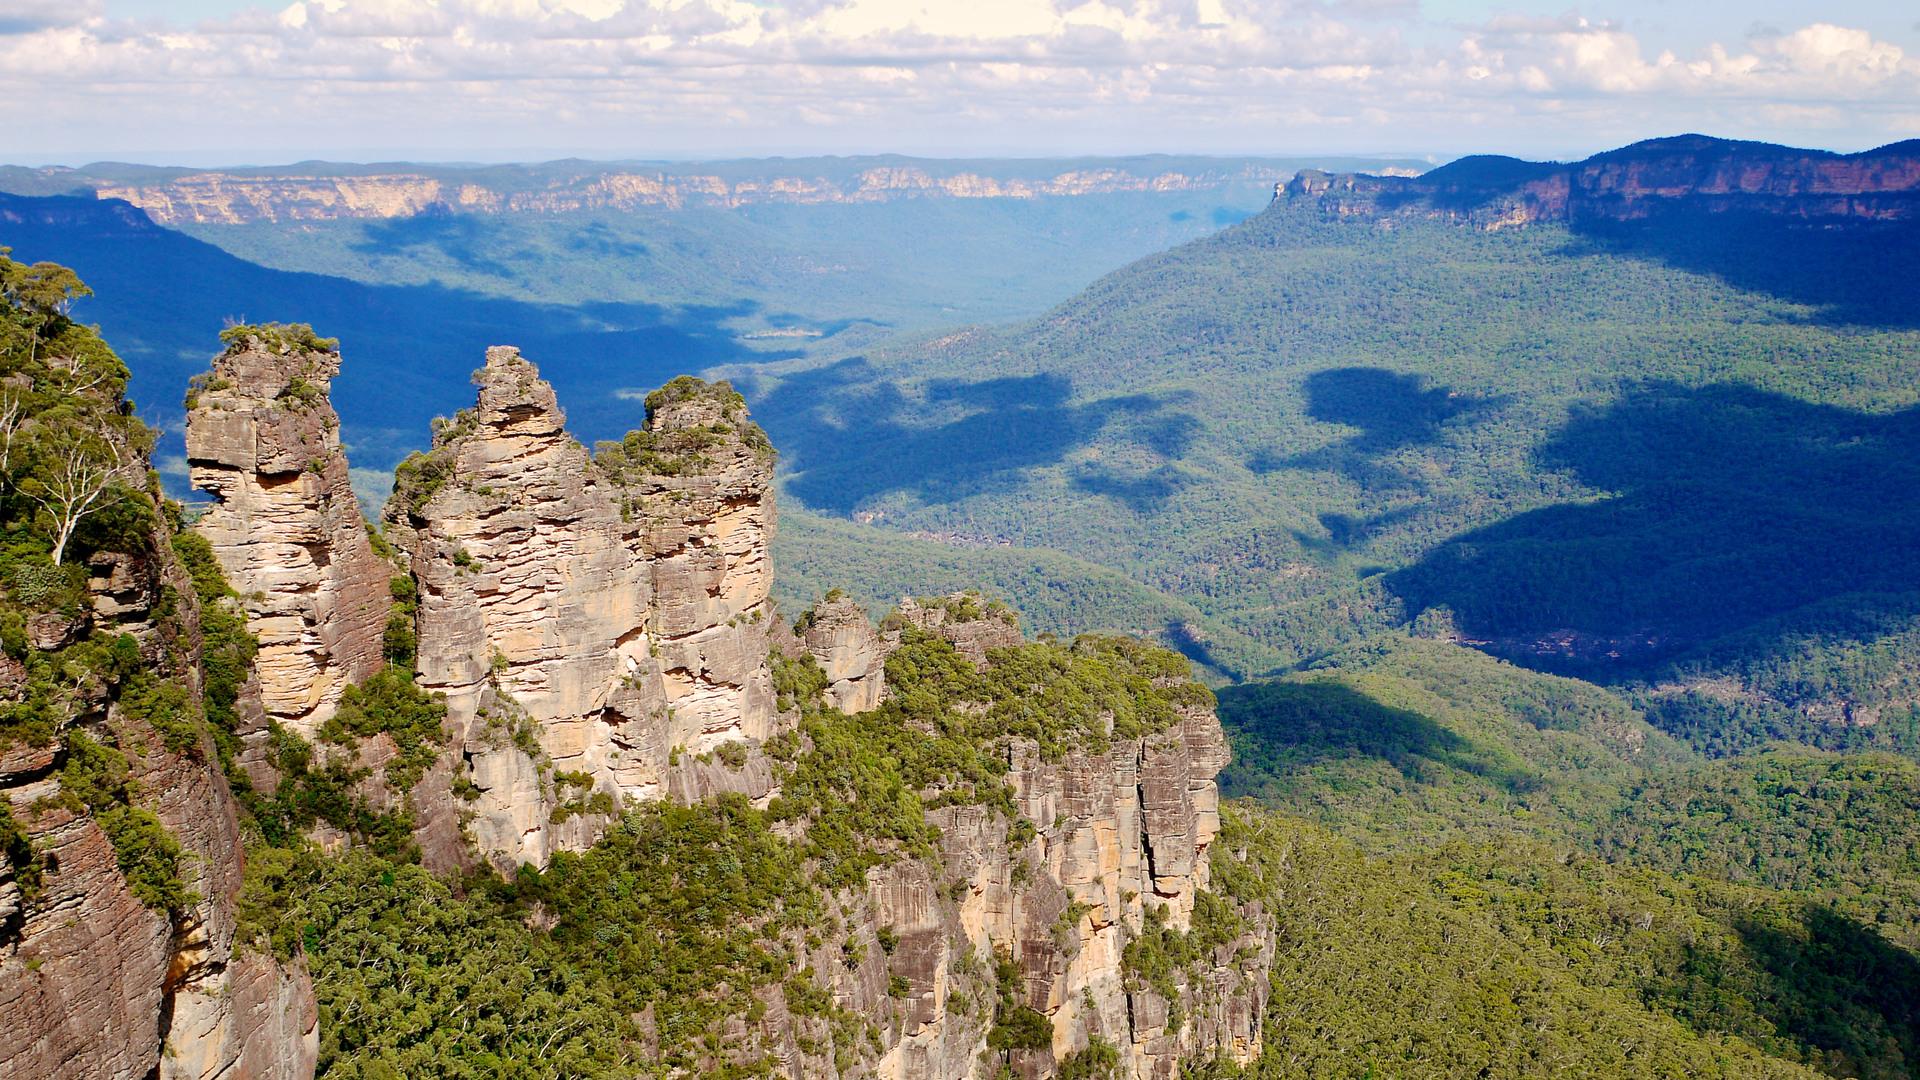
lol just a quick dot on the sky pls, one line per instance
(225, 82)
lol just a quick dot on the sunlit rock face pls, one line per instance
(264, 442)
(842, 640)
(1687, 174)
(94, 981)
(587, 622)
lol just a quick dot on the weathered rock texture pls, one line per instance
(94, 983)
(841, 639)
(1689, 173)
(1114, 834)
(373, 192)
(587, 619)
(263, 440)
(600, 626)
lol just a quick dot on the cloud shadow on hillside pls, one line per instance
(1732, 509)
(1390, 412)
(1278, 728)
(1866, 274)
(1841, 987)
(851, 434)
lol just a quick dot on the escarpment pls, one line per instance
(264, 442)
(1689, 174)
(987, 855)
(121, 948)
(587, 618)
(1063, 916)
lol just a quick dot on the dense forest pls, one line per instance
(1677, 458)
(1675, 831)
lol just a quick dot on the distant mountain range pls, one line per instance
(1685, 173)
(325, 191)
(1659, 429)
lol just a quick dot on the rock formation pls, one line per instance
(94, 980)
(587, 620)
(1106, 846)
(843, 642)
(1114, 834)
(1687, 174)
(381, 192)
(599, 624)
(264, 441)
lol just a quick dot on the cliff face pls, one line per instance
(291, 195)
(1105, 849)
(1687, 174)
(264, 441)
(843, 642)
(599, 626)
(97, 978)
(587, 619)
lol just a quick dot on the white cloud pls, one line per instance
(639, 76)
(29, 16)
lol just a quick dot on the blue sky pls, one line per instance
(224, 81)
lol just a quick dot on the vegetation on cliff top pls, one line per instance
(688, 916)
(278, 337)
(73, 486)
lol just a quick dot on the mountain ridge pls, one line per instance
(324, 191)
(1689, 173)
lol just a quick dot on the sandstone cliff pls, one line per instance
(118, 951)
(1058, 907)
(587, 620)
(295, 193)
(1685, 174)
(264, 442)
(840, 638)
(599, 626)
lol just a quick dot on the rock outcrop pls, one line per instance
(841, 639)
(294, 193)
(95, 979)
(1119, 845)
(599, 625)
(587, 620)
(1685, 174)
(1062, 903)
(264, 442)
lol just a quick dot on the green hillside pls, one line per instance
(1407, 741)
(1664, 455)
(1512, 959)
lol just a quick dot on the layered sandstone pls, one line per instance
(94, 982)
(1104, 846)
(1115, 833)
(841, 639)
(293, 194)
(264, 442)
(587, 621)
(1686, 174)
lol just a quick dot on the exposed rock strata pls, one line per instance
(601, 629)
(293, 195)
(1690, 173)
(263, 440)
(95, 983)
(840, 638)
(1114, 833)
(1119, 839)
(585, 620)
